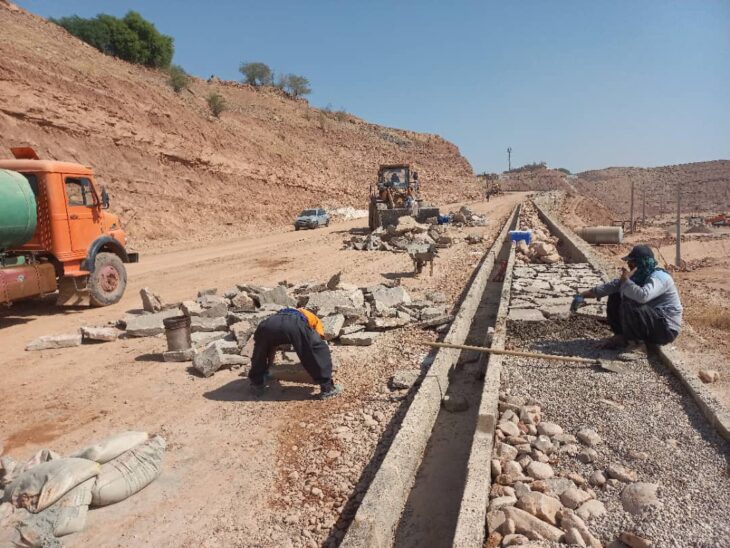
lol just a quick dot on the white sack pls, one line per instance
(110, 448)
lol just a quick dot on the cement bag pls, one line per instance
(72, 509)
(129, 473)
(45, 483)
(112, 447)
(9, 469)
(44, 455)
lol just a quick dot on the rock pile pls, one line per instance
(542, 248)
(466, 217)
(222, 326)
(397, 238)
(529, 500)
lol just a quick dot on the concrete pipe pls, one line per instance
(602, 234)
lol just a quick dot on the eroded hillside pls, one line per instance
(173, 171)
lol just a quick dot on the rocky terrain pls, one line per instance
(705, 187)
(169, 165)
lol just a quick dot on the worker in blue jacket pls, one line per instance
(643, 303)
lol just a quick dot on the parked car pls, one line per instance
(312, 218)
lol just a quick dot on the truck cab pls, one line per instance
(85, 243)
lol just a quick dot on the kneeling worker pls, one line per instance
(304, 331)
(643, 304)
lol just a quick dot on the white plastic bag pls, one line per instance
(45, 483)
(110, 448)
(129, 473)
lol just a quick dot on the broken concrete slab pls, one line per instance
(362, 338)
(327, 302)
(151, 302)
(278, 295)
(350, 329)
(438, 321)
(191, 308)
(48, 342)
(432, 312)
(253, 317)
(388, 297)
(404, 379)
(333, 326)
(334, 281)
(204, 337)
(186, 355)
(381, 324)
(200, 323)
(525, 315)
(100, 334)
(242, 331)
(215, 311)
(207, 291)
(208, 361)
(225, 346)
(242, 302)
(147, 325)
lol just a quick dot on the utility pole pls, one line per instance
(678, 258)
(509, 158)
(643, 206)
(631, 213)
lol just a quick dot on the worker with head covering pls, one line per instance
(304, 331)
(643, 303)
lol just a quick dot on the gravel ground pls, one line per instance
(647, 423)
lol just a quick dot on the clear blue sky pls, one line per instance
(578, 84)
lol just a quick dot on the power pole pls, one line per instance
(509, 158)
(678, 258)
(643, 206)
(631, 213)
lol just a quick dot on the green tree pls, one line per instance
(257, 74)
(295, 85)
(179, 79)
(132, 38)
(216, 104)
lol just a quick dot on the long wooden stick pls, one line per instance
(513, 352)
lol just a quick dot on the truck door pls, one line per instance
(84, 221)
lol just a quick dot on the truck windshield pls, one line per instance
(308, 213)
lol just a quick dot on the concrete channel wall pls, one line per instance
(471, 524)
(377, 517)
(670, 356)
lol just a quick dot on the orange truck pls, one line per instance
(56, 235)
(718, 220)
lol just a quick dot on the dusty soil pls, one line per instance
(169, 165)
(227, 473)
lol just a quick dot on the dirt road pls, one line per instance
(224, 450)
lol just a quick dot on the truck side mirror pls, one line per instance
(104, 198)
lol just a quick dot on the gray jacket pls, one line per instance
(659, 292)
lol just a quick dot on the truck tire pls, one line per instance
(108, 280)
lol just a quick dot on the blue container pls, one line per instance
(517, 235)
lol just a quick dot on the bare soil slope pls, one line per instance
(176, 173)
(705, 186)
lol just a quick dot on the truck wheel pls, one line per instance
(108, 281)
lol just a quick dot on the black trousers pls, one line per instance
(281, 329)
(637, 322)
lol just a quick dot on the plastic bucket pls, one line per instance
(177, 331)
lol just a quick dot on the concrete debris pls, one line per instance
(709, 375)
(467, 217)
(147, 325)
(404, 379)
(48, 342)
(542, 248)
(99, 334)
(362, 338)
(186, 355)
(151, 302)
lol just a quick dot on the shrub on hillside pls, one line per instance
(257, 74)
(179, 79)
(216, 104)
(535, 166)
(132, 38)
(296, 85)
(564, 170)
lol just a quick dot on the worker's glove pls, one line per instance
(578, 301)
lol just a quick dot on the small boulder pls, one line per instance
(636, 497)
(540, 470)
(634, 541)
(591, 509)
(404, 379)
(455, 403)
(509, 428)
(542, 506)
(549, 429)
(572, 498)
(621, 473)
(587, 455)
(709, 375)
(532, 527)
(589, 437)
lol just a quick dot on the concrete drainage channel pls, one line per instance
(547, 452)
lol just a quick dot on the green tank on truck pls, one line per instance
(55, 234)
(18, 216)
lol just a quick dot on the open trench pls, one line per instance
(608, 438)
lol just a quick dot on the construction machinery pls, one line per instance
(722, 219)
(56, 235)
(397, 194)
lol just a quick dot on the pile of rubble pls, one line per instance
(466, 217)
(542, 247)
(222, 326)
(529, 501)
(400, 237)
(49, 496)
